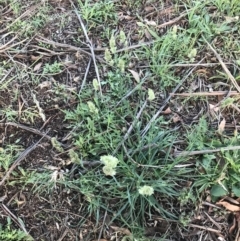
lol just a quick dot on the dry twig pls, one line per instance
(193, 153)
(214, 93)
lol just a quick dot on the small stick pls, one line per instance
(193, 153)
(214, 93)
(172, 21)
(35, 131)
(223, 66)
(53, 43)
(19, 159)
(204, 228)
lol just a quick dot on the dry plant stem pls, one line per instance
(35, 131)
(63, 235)
(56, 44)
(234, 82)
(6, 45)
(193, 153)
(211, 205)
(90, 46)
(172, 21)
(214, 93)
(213, 221)
(130, 128)
(11, 46)
(145, 130)
(14, 218)
(19, 159)
(192, 65)
(103, 223)
(205, 228)
(85, 76)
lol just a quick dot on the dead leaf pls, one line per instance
(121, 230)
(167, 111)
(228, 206)
(150, 23)
(37, 66)
(135, 75)
(221, 126)
(44, 84)
(213, 108)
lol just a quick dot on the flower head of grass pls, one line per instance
(109, 171)
(146, 190)
(109, 161)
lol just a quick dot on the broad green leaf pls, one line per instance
(218, 191)
(151, 95)
(236, 190)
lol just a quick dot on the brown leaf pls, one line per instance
(228, 206)
(121, 230)
(221, 126)
(214, 108)
(135, 75)
(167, 111)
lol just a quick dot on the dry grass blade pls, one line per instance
(234, 82)
(193, 153)
(214, 93)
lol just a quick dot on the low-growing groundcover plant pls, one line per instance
(9, 234)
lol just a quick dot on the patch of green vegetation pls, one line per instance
(9, 234)
(137, 175)
(54, 68)
(29, 26)
(7, 155)
(96, 13)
